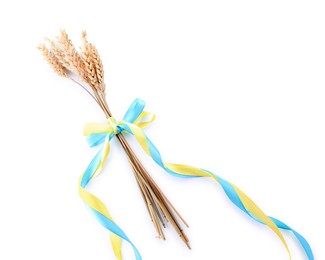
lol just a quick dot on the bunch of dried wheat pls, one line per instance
(67, 62)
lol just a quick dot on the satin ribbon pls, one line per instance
(133, 123)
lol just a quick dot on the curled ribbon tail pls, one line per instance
(95, 205)
(238, 197)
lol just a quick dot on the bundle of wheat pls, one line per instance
(85, 68)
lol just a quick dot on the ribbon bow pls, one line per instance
(133, 123)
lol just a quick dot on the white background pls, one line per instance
(238, 88)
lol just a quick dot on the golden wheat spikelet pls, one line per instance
(57, 51)
(98, 65)
(88, 62)
(84, 41)
(72, 59)
(53, 61)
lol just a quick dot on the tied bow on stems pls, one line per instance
(87, 65)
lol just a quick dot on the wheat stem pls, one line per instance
(86, 90)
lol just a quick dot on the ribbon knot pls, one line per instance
(112, 124)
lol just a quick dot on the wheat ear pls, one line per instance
(53, 61)
(72, 59)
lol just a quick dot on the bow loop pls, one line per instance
(134, 111)
(144, 119)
